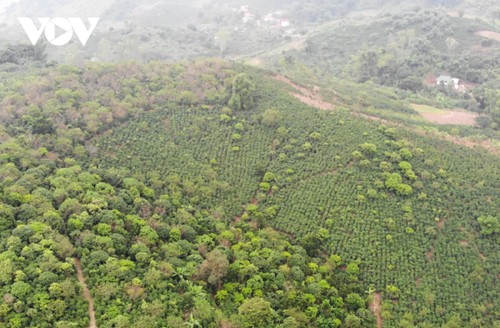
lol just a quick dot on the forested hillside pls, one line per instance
(393, 49)
(407, 51)
(159, 250)
(203, 194)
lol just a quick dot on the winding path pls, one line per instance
(86, 293)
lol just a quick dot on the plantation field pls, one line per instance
(208, 194)
(402, 205)
(141, 207)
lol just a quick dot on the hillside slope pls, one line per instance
(166, 180)
(395, 49)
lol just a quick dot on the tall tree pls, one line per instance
(242, 93)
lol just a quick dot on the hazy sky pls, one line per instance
(5, 3)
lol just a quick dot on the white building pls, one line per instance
(447, 80)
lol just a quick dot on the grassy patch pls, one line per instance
(424, 109)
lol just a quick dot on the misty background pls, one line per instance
(172, 30)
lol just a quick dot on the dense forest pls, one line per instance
(203, 194)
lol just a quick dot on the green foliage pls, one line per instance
(400, 49)
(22, 54)
(395, 182)
(242, 93)
(256, 312)
(392, 291)
(174, 228)
(489, 225)
(369, 148)
(271, 117)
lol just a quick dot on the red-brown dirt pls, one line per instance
(376, 307)
(310, 97)
(86, 293)
(441, 224)
(430, 254)
(430, 80)
(490, 35)
(321, 104)
(452, 117)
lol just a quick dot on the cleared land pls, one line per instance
(310, 97)
(314, 99)
(490, 35)
(440, 116)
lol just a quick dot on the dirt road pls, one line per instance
(376, 308)
(86, 293)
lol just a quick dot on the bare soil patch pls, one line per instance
(482, 49)
(457, 116)
(376, 307)
(486, 144)
(458, 14)
(430, 254)
(490, 35)
(309, 97)
(441, 224)
(452, 117)
(469, 85)
(86, 293)
(313, 98)
(311, 101)
(430, 80)
(257, 62)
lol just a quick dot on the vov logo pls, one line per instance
(68, 25)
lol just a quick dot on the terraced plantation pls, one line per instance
(207, 193)
(336, 165)
(403, 207)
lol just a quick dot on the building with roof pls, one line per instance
(446, 80)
